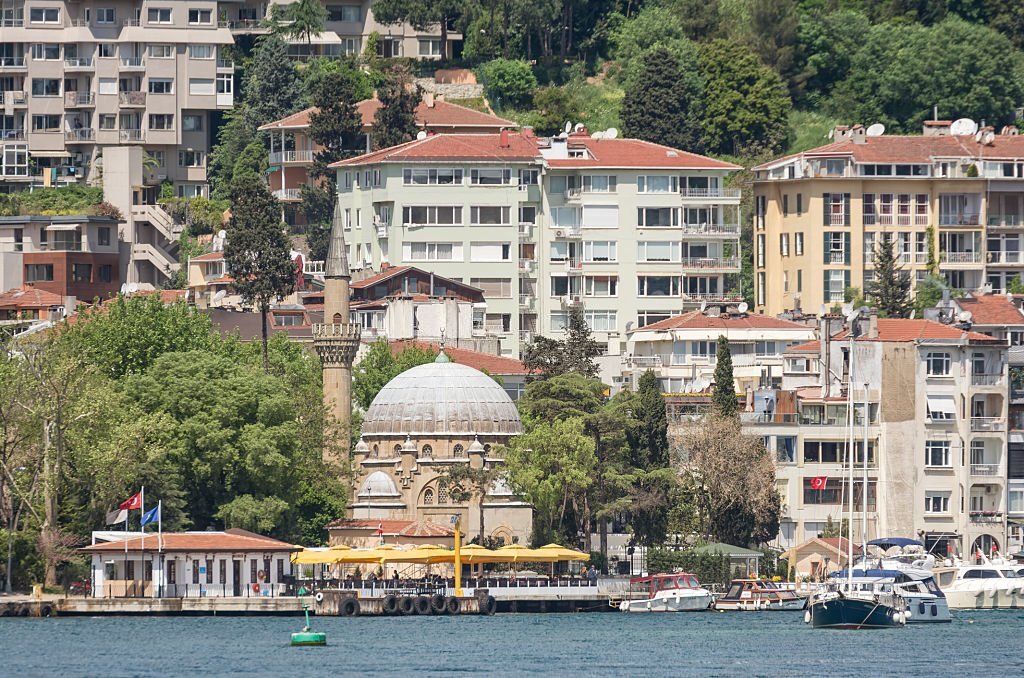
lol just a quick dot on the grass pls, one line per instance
(63, 201)
(808, 129)
(476, 103)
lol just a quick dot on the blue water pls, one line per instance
(733, 644)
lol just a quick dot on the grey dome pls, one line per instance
(442, 398)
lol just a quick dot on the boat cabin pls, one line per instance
(652, 584)
(749, 588)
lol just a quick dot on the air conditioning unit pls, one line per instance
(577, 300)
(559, 234)
(376, 220)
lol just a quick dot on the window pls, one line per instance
(799, 204)
(937, 363)
(490, 177)
(599, 183)
(431, 177)
(343, 13)
(161, 51)
(428, 496)
(941, 408)
(433, 251)
(200, 52)
(565, 217)
(936, 502)
(107, 50)
(654, 217)
(38, 272)
(528, 177)
(191, 122)
(656, 184)
(785, 205)
(45, 87)
(561, 183)
(81, 272)
(657, 251)
(836, 283)
(563, 285)
(601, 321)
(494, 288)
(199, 16)
(159, 15)
(489, 215)
(599, 250)
(490, 251)
(161, 86)
(200, 86)
(108, 121)
(439, 215)
(191, 159)
(105, 273)
(46, 123)
(563, 251)
(527, 214)
(106, 15)
(936, 454)
(161, 121)
(600, 286)
(498, 323)
(658, 286)
(798, 243)
(46, 52)
(557, 321)
(225, 83)
(430, 47)
(67, 241)
(761, 291)
(784, 244)
(44, 15)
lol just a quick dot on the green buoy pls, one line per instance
(306, 637)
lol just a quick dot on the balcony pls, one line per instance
(132, 135)
(574, 265)
(837, 220)
(643, 361)
(960, 257)
(1004, 257)
(225, 65)
(288, 194)
(131, 99)
(1004, 221)
(527, 265)
(78, 64)
(525, 229)
(79, 99)
(837, 257)
(985, 379)
(13, 98)
(984, 469)
(716, 192)
(986, 516)
(132, 63)
(79, 136)
(526, 302)
(989, 424)
(710, 263)
(12, 135)
(920, 257)
(960, 219)
(13, 63)
(712, 229)
(286, 157)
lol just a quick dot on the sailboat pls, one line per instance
(842, 604)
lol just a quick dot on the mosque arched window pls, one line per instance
(398, 450)
(428, 496)
(376, 450)
(458, 451)
(442, 494)
(427, 452)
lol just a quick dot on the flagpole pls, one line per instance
(126, 535)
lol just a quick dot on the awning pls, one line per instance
(323, 38)
(49, 154)
(198, 36)
(942, 404)
(63, 227)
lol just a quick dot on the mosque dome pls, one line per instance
(378, 484)
(442, 398)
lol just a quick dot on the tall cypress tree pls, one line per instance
(652, 424)
(395, 121)
(336, 119)
(272, 87)
(257, 251)
(723, 400)
(890, 288)
(662, 103)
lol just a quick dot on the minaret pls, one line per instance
(337, 338)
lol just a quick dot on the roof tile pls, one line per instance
(697, 320)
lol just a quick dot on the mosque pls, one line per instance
(424, 421)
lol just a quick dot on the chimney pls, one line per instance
(503, 139)
(439, 97)
(428, 99)
(936, 128)
(858, 134)
(872, 330)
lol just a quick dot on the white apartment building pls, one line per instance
(631, 230)
(937, 440)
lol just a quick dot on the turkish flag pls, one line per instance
(819, 482)
(133, 502)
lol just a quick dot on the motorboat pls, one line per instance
(987, 584)
(834, 608)
(923, 601)
(677, 592)
(759, 594)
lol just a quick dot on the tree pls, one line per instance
(257, 251)
(729, 477)
(553, 107)
(723, 400)
(547, 357)
(422, 14)
(508, 83)
(930, 291)
(20, 466)
(335, 125)
(272, 86)
(662, 103)
(889, 289)
(380, 365)
(773, 26)
(305, 19)
(234, 137)
(654, 28)
(650, 440)
(395, 121)
(826, 44)
(466, 483)
(562, 396)
(746, 106)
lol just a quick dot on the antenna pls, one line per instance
(742, 308)
(876, 130)
(963, 127)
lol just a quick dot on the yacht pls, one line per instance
(922, 599)
(678, 592)
(759, 594)
(987, 584)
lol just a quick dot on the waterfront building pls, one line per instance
(231, 562)
(630, 230)
(682, 350)
(953, 204)
(817, 557)
(936, 429)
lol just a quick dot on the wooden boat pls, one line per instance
(759, 594)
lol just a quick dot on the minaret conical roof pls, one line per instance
(336, 265)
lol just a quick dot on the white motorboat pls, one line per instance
(678, 592)
(986, 584)
(759, 594)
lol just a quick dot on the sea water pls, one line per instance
(699, 643)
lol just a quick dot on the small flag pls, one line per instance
(133, 502)
(151, 516)
(819, 482)
(118, 516)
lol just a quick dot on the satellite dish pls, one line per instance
(913, 312)
(579, 127)
(847, 309)
(876, 130)
(977, 137)
(703, 305)
(629, 326)
(964, 316)
(568, 126)
(832, 134)
(133, 288)
(611, 133)
(222, 233)
(989, 138)
(124, 288)
(964, 127)
(219, 295)
(742, 308)
(422, 134)
(597, 135)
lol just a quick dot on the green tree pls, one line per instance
(546, 357)
(929, 292)
(395, 121)
(553, 107)
(508, 83)
(651, 432)
(662, 103)
(422, 14)
(306, 18)
(562, 396)
(746, 106)
(335, 125)
(723, 400)
(466, 483)
(889, 289)
(272, 86)
(773, 27)
(652, 29)
(257, 251)
(826, 44)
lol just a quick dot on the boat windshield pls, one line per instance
(929, 584)
(734, 591)
(1010, 574)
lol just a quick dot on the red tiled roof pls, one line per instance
(915, 149)
(637, 153)
(212, 256)
(840, 544)
(478, 147)
(27, 296)
(405, 528)
(992, 309)
(903, 329)
(440, 114)
(492, 364)
(808, 347)
(695, 320)
(228, 540)
(387, 274)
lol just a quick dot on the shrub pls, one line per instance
(508, 82)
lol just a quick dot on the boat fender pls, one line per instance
(421, 604)
(452, 605)
(261, 575)
(907, 614)
(991, 590)
(437, 604)
(390, 604)
(807, 616)
(256, 588)
(488, 605)
(319, 597)
(350, 607)
(406, 605)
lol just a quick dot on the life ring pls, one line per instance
(406, 605)
(350, 607)
(256, 588)
(319, 597)
(452, 605)
(390, 604)
(437, 604)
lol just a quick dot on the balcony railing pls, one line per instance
(12, 135)
(1004, 221)
(78, 62)
(525, 228)
(1004, 257)
(526, 265)
(525, 301)
(837, 257)
(960, 219)
(133, 62)
(128, 135)
(986, 516)
(79, 135)
(132, 98)
(644, 360)
(960, 257)
(712, 229)
(288, 194)
(14, 98)
(226, 64)
(710, 262)
(837, 220)
(72, 99)
(987, 424)
(12, 62)
(985, 379)
(278, 157)
(688, 192)
(984, 469)
(920, 257)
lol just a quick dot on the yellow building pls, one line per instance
(952, 202)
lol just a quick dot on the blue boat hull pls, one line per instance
(851, 613)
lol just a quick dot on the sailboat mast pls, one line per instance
(864, 489)
(849, 454)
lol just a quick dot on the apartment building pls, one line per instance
(952, 203)
(682, 350)
(936, 408)
(76, 79)
(630, 230)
